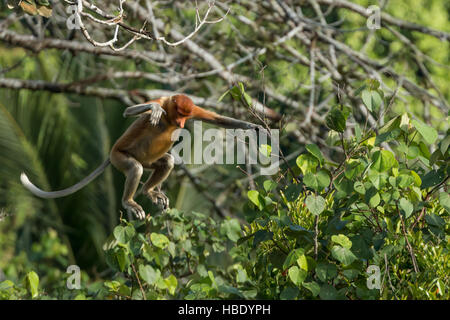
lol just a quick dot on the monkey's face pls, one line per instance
(183, 107)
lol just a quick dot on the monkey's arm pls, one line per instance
(231, 123)
(154, 107)
(222, 121)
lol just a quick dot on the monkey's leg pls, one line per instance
(162, 168)
(133, 171)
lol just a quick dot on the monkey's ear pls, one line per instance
(141, 108)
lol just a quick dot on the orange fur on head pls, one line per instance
(184, 104)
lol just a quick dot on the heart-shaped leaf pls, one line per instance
(317, 181)
(315, 204)
(344, 255)
(383, 160)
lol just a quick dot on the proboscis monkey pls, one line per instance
(144, 146)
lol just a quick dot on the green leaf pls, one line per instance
(445, 144)
(333, 138)
(390, 125)
(372, 99)
(428, 133)
(269, 185)
(336, 119)
(404, 181)
(315, 204)
(223, 95)
(289, 293)
(444, 200)
(113, 286)
(342, 240)
(383, 160)
(235, 93)
(351, 274)
(315, 151)
(124, 234)
(393, 181)
(293, 257)
(241, 87)
(432, 178)
(372, 197)
(359, 187)
(232, 229)
(148, 274)
(416, 178)
(406, 206)
(293, 191)
(328, 292)
(307, 163)
(171, 283)
(344, 188)
(297, 275)
(255, 198)
(159, 240)
(344, 255)
(360, 247)
(354, 168)
(241, 276)
(313, 287)
(122, 259)
(32, 281)
(302, 262)
(230, 290)
(317, 181)
(435, 220)
(378, 179)
(387, 136)
(372, 84)
(247, 99)
(326, 271)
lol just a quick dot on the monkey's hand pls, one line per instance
(157, 112)
(158, 198)
(138, 109)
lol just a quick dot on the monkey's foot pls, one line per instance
(158, 198)
(133, 208)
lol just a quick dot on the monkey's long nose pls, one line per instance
(180, 122)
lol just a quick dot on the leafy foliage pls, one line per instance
(375, 207)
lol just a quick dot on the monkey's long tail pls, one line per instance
(65, 192)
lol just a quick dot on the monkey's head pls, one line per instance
(184, 109)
